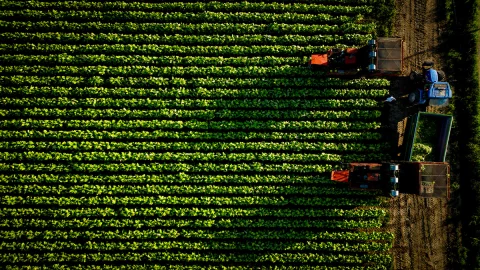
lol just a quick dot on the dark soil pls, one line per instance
(419, 224)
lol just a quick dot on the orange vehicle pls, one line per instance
(380, 57)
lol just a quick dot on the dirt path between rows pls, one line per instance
(419, 224)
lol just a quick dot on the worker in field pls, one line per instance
(390, 99)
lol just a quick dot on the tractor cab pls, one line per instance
(432, 94)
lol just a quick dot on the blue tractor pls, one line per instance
(430, 87)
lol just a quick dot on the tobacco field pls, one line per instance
(139, 135)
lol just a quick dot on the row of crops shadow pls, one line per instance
(215, 230)
(307, 117)
(166, 53)
(182, 8)
(279, 89)
(187, 239)
(106, 83)
(264, 42)
(110, 173)
(152, 263)
(252, 140)
(289, 201)
(295, 102)
(65, 127)
(121, 63)
(206, 251)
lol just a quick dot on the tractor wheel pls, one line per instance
(441, 75)
(414, 75)
(414, 97)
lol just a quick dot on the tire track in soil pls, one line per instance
(419, 224)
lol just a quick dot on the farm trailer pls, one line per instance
(426, 137)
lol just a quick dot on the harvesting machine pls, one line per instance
(422, 173)
(380, 57)
(426, 179)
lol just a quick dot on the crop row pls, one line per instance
(187, 114)
(180, 178)
(253, 125)
(212, 71)
(178, 17)
(316, 6)
(187, 135)
(200, 92)
(223, 223)
(221, 104)
(204, 245)
(182, 266)
(159, 50)
(149, 189)
(196, 234)
(113, 38)
(176, 146)
(168, 156)
(186, 28)
(169, 257)
(109, 200)
(188, 212)
(193, 82)
(167, 60)
(254, 167)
